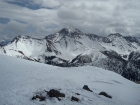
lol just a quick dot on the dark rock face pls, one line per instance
(105, 94)
(133, 39)
(34, 98)
(116, 35)
(55, 93)
(42, 98)
(82, 59)
(113, 62)
(106, 40)
(74, 99)
(53, 60)
(93, 37)
(132, 71)
(77, 93)
(52, 93)
(85, 87)
(4, 50)
(112, 54)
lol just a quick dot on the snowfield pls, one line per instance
(21, 79)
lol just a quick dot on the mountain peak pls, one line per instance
(69, 27)
(116, 34)
(20, 37)
(70, 30)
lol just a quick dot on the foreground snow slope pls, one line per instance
(20, 79)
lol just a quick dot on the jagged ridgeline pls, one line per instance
(72, 48)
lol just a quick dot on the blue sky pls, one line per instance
(38, 18)
(4, 20)
(30, 4)
(25, 3)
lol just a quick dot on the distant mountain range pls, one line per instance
(4, 42)
(70, 48)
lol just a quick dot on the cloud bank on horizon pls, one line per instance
(38, 18)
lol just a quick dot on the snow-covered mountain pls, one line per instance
(20, 80)
(71, 47)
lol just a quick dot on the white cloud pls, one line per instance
(47, 3)
(100, 17)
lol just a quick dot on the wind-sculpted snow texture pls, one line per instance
(71, 47)
(20, 80)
